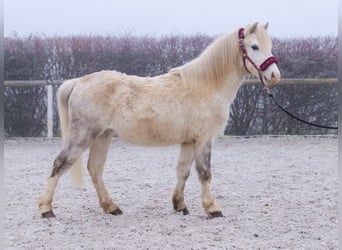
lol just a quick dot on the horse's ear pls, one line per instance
(266, 26)
(253, 28)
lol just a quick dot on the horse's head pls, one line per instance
(256, 48)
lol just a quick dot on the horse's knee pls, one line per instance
(203, 166)
(203, 169)
(204, 173)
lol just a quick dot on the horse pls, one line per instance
(188, 105)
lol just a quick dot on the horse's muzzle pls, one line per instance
(273, 79)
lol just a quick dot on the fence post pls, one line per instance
(49, 90)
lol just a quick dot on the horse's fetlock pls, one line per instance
(204, 175)
(178, 201)
(212, 210)
(110, 207)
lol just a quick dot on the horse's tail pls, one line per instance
(63, 95)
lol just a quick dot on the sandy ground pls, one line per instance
(275, 193)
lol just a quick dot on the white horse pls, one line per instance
(187, 106)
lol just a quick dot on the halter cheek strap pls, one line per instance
(245, 57)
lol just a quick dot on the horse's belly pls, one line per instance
(149, 139)
(168, 132)
(151, 132)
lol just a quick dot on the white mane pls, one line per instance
(215, 62)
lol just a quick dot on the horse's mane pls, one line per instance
(214, 62)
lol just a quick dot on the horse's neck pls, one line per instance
(231, 86)
(218, 68)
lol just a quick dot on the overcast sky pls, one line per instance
(287, 18)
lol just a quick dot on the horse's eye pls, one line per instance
(255, 47)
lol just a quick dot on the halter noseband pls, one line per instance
(245, 57)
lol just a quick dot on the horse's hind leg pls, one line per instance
(71, 152)
(202, 161)
(97, 157)
(183, 171)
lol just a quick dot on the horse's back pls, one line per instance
(140, 110)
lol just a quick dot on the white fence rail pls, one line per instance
(49, 90)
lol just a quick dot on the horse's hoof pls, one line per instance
(215, 214)
(117, 212)
(48, 214)
(185, 211)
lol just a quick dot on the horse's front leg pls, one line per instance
(185, 160)
(202, 161)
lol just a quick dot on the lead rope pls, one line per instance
(296, 117)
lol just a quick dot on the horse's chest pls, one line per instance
(208, 117)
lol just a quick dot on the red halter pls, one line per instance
(245, 57)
